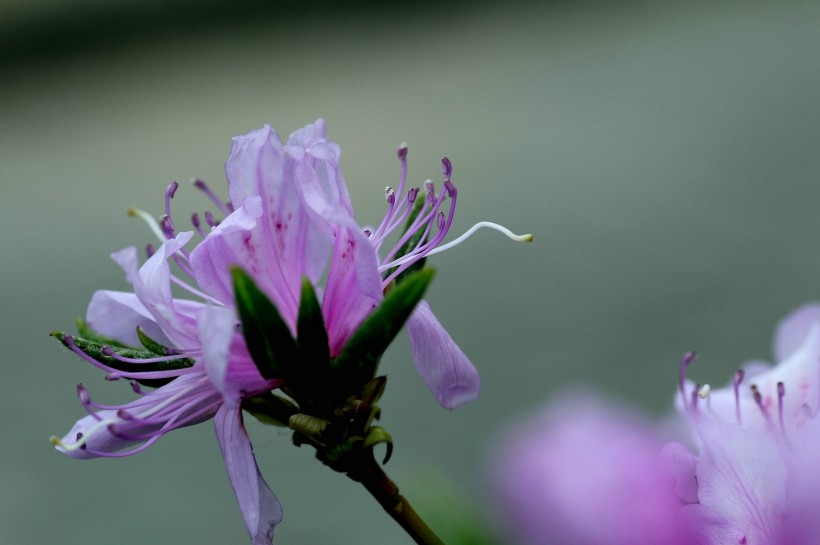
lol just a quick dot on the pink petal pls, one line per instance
(742, 478)
(260, 508)
(117, 314)
(442, 365)
(792, 330)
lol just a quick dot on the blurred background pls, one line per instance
(664, 154)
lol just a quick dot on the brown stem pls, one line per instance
(370, 474)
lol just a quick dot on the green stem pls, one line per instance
(375, 480)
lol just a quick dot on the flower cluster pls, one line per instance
(590, 473)
(288, 226)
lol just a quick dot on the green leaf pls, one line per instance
(94, 349)
(311, 334)
(359, 358)
(376, 435)
(267, 335)
(86, 332)
(270, 409)
(150, 343)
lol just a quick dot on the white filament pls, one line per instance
(149, 219)
(476, 227)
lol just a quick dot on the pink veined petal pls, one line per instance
(353, 286)
(442, 365)
(792, 330)
(260, 508)
(711, 528)
(117, 314)
(742, 477)
(288, 241)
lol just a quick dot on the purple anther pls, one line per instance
(430, 189)
(446, 168)
(412, 193)
(135, 386)
(781, 393)
(78, 436)
(209, 219)
(367, 233)
(167, 225)
(124, 415)
(451, 189)
(389, 195)
(149, 250)
(739, 374)
(401, 152)
(82, 393)
(169, 194)
(197, 224)
(758, 397)
(441, 220)
(108, 351)
(695, 396)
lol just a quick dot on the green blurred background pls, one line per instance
(664, 154)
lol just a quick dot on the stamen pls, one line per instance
(147, 218)
(446, 168)
(210, 220)
(169, 194)
(476, 227)
(695, 395)
(703, 392)
(759, 400)
(389, 195)
(167, 225)
(739, 374)
(781, 393)
(687, 358)
(149, 250)
(401, 152)
(197, 224)
(202, 186)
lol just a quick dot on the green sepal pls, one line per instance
(359, 358)
(270, 409)
(311, 426)
(411, 242)
(311, 334)
(150, 343)
(267, 335)
(86, 332)
(376, 435)
(94, 349)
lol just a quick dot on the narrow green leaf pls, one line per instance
(360, 356)
(267, 335)
(95, 350)
(311, 334)
(150, 343)
(86, 332)
(376, 435)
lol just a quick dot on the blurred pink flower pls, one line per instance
(588, 472)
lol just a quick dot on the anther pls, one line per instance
(781, 393)
(167, 226)
(411, 194)
(149, 250)
(401, 152)
(389, 195)
(687, 358)
(210, 220)
(446, 168)
(430, 189)
(367, 233)
(703, 392)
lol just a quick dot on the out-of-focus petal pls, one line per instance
(587, 473)
(679, 465)
(260, 508)
(792, 330)
(445, 369)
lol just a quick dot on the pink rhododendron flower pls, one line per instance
(289, 217)
(586, 472)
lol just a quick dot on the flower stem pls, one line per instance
(375, 480)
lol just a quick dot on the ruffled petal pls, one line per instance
(445, 369)
(260, 508)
